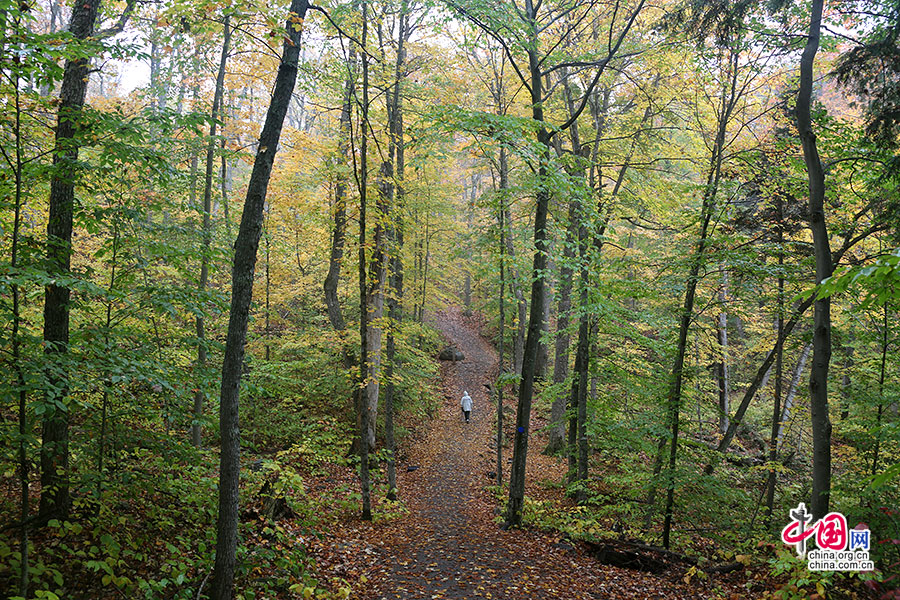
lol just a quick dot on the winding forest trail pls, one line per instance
(450, 545)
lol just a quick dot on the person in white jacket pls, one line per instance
(466, 405)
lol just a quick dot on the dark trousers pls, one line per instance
(467, 413)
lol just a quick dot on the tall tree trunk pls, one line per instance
(18, 366)
(578, 452)
(543, 352)
(200, 395)
(722, 367)
(846, 388)
(245, 251)
(394, 178)
(470, 214)
(676, 378)
(884, 351)
(818, 379)
(529, 358)
(792, 393)
(338, 232)
(362, 403)
(268, 325)
(513, 272)
(501, 367)
(542, 197)
(772, 479)
(557, 433)
(55, 498)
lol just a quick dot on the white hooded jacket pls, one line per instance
(466, 402)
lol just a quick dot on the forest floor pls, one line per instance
(450, 544)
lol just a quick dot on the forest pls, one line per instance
(253, 254)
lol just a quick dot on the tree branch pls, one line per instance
(120, 24)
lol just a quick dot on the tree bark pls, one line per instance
(55, 497)
(818, 379)
(245, 252)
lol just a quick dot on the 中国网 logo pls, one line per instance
(837, 547)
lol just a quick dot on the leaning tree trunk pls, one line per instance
(200, 395)
(245, 251)
(338, 232)
(791, 394)
(55, 498)
(772, 479)
(676, 378)
(818, 378)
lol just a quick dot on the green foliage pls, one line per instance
(879, 283)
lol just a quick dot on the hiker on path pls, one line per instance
(466, 404)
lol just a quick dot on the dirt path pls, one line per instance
(450, 544)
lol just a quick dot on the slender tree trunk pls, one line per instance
(792, 392)
(846, 388)
(818, 380)
(578, 453)
(772, 480)
(362, 404)
(884, 351)
(225, 185)
(501, 366)
(529, 358)
(338, 232)
(200, 371)
(55, 498)
(108, 348)
(394, 247)
(245, 251)
(543, 352)
(722, 367)
(514, 278)
(377, 276)
(470, 213)
(557, 432)
(24, 425)
(728, 102)
(512, 271)
(268, 327)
